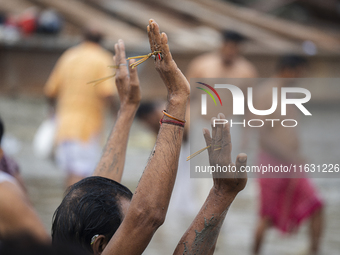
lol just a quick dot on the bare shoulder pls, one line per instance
(104, 52)
(206, 58)
(200, 65)
(17, 215)
(10, 192)
(248, 68)
(67, 55)
(99, 55)
(70, 51)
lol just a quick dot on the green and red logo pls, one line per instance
(209, 93)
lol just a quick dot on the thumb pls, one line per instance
(207, 138)
(241, 163)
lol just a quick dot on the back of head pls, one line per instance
(233, 36)
(231, 46)
(291, 61)
(2, 129)
(90, 207)
(150, 113)
(93, 34)
(145, 109)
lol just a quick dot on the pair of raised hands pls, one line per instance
(178, 90)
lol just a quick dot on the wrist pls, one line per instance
(222, 197)
(128, 108)
(177, 99)
(176, 107)
(224, 192)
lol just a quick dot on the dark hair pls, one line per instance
(26, 244)
(93, 35)
(291, 61)
(233, 36)
(90, 207)
(145, 109)
(2, 129)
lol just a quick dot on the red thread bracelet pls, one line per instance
(172, 117)
(172, 122)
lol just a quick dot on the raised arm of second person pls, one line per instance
(201, 236)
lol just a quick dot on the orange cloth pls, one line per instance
(80, 106)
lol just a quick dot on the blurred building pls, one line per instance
(310, 28)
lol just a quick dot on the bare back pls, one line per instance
(277, 140)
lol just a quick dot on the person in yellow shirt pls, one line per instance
(79, 107)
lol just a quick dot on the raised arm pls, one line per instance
(201, 236)
(151, 199)
(111, 164)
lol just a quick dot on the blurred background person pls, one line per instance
(7, 164)
(17, 216)
(49, 22)
(285, 202)
(28, 21)
(227, 62)
(79, 106)
(26, 62)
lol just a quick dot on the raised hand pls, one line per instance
(151, 199)
(128, 87)
(174, 80)
(226, 186)
(111, 164)
(233, 180)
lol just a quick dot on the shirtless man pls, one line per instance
(285, 202)
(226, 63)
(138, 218)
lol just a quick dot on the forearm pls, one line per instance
(149, 204)
(111, 164)
(151, 199)
(201, 236)
(160, 173)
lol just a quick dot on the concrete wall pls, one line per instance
(25, 70)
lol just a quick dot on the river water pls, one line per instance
(22, 117)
